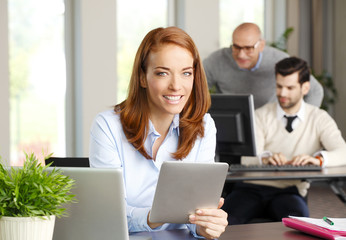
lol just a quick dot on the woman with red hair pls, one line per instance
(164, 118)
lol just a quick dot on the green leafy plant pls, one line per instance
(330, 92)
(282, 41)
(31, 191)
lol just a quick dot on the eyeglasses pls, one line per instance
(247, 49)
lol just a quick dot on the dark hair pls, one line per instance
(290, 65)
(134, 111)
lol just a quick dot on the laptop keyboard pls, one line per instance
(272, 168)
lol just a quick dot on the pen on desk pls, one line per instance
(327, 220)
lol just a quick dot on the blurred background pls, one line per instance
(62, 62)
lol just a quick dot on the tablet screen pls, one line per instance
(184, 187)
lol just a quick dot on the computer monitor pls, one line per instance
(234, 119)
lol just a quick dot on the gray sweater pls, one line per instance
(223, 72)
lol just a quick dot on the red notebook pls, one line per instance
(313, 229)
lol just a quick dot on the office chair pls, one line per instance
(68, 161)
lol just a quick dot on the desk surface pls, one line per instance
(178, 234)
(259, 231)
(263, 231)
(326, 173)
(256, 231)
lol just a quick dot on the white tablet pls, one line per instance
(184, 187)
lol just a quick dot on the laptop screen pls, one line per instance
(100, 212)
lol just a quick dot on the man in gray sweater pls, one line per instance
(248, 67)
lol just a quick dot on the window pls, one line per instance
(135, 19)
(234, 12)
(37, 61)
(37, 78)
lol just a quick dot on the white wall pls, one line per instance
(275, 19)
(92, 48)
(202, 27)
(4, 84)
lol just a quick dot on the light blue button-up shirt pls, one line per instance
(109, 148)
(260, 56)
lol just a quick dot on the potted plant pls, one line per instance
(30, 199)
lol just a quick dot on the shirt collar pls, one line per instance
(280, 113)
(174, 125)
(260, 56)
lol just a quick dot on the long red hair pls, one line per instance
(134, 111)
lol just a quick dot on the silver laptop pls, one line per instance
(101, 210)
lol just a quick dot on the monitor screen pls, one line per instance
(234, 119)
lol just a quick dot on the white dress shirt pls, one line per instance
(109, 148)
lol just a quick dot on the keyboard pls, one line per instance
(272, 168)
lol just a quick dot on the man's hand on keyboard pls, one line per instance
(275, 159)
(304, 159)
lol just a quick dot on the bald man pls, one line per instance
(248, 67)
